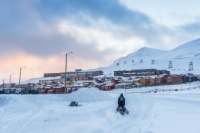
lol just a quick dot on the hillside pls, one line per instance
(180, 57)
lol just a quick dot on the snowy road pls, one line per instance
(148, 113)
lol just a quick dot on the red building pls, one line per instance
(109, 86)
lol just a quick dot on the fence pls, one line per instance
(165, 90)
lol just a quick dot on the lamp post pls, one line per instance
(3, 84)
(181, 85)
(20, 75)
(10, 80)
(66, 69)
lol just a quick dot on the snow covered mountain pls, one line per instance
(147, 58)
(190, 50)
(147, 53)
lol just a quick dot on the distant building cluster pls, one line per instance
(75, 76)
(140, 72)
(54, 83)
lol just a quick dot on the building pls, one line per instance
(53, 74)
(140, 72)
(50, 79)
(145, 81)
(189, 78)
(76, 76)
(148, 80)
(108, 86)
(174, 79)
(161, 79)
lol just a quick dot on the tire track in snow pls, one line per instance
(27, 111)
(140, 115)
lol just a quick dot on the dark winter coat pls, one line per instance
(121, 101)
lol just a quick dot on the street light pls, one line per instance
(3, 83)
(66, 69)
(10, 79)
(20, 74)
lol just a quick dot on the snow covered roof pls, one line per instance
(108, 84)
(58, 86)
(100, 76)
(84, 81)
(50, 78)
(36, 80)
(32, 80)
(160, 76)
(122, 84)
(153, 76)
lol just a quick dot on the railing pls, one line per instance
(165, 90)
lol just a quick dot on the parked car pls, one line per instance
(18, 91)
(9, 90)
(24, 91)
(1, 90)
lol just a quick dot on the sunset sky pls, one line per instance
(37, 34)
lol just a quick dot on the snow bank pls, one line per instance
(88, 95)
(164, 112)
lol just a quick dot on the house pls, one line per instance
(149, 80)
(177, 79)
(174, 79)
(161, 79)
(198, 77)
(137, 80)
(144, 81)
(84, 83)
(152, 80)
(123, 85)
(117, 80)
(55, 88)
(100, 85)
(169, 79)
(108, 86)
(71, 88)
(189, 78)
(136, 85)
(42, 90)
(60, 89)
(158, 80)
(51, 91)
(100, 78)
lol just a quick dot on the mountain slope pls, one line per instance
(180, 57)
(187, 50)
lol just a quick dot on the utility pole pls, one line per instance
(170, 65)
(66, 70)
(20, 75)
(3, 84)
(190, 66)
(10, 81)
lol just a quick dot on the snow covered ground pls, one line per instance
(180, 58)
(161, 112)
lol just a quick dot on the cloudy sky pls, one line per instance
(37, 34)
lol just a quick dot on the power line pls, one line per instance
(94, 58)
(46, 64)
